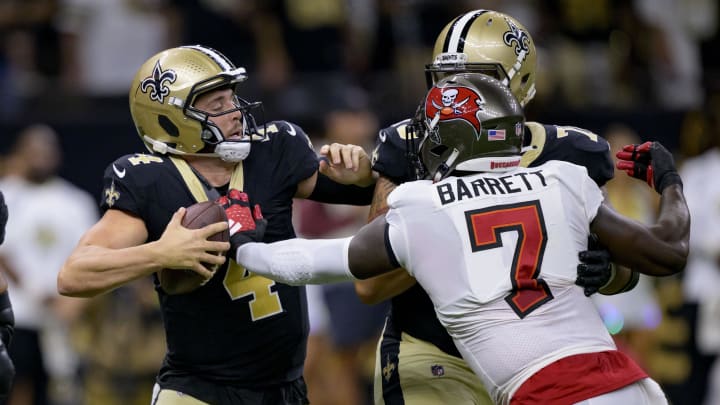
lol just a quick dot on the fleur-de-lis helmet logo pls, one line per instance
(516, 38)
(155, 85)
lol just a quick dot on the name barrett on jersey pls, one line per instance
(514, 183)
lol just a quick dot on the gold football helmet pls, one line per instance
(487, 42)
(162, 97)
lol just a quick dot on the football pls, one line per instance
(198, 215)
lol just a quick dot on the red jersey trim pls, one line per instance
(576, 378)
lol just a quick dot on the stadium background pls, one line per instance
(651, 66)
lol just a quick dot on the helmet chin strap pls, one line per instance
(444, 168)
(227, 151)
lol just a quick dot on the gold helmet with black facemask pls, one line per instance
(487, 42)
(161, 103)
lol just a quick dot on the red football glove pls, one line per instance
(246, 225)
(650, 162)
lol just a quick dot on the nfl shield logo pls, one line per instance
(437, 370)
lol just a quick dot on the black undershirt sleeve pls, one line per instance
(328, 191)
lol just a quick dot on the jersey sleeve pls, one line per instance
(395, 241)
(294, 147)
(592, 197)
(389, 158)
(574, 145)
(403, 203)
(123, 182)
(583, 194)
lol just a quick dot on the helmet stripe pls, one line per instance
(455, 38)
(222, 61)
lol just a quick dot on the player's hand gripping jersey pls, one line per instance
(497, 252)
(220, 331)
(412, 311)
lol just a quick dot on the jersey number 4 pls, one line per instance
(239, 283)
(486, 226)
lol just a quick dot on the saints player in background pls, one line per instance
(417, 361)
(232, 337)
(495, 246)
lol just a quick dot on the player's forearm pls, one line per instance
(331, 192)
(661, 249)
(381, 288)
(378, 206)
(93, 270)
(673, 228)
(298, 261)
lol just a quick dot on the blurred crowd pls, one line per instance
(342, 69)
(606, 53)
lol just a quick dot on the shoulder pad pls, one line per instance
(570, 144)
(136, 164)
(389, 158)
(274, 129)
(130, 175)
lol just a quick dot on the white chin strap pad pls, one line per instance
(233, 151)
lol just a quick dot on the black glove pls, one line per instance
(3, 217)
(7, 368)
(7, 319)
(7, 373)
(595, 270)
(650, 162)
(246, 225)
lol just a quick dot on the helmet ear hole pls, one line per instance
(524, 79)
(439, 150)
(167, 125)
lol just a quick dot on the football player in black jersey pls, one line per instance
(236, 337)
(7, 319)
(417, 361)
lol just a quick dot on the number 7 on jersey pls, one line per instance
(486, 227)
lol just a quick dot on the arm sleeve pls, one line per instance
(298, 261)
(328, 191)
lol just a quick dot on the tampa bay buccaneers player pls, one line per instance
(235, 337)
(417, 361)
(495, 246)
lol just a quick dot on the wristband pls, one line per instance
(634, 280)
(629, 285)
(613, 273)
(668, 180)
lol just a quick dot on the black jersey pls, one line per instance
(239, 328)
(546, 142)
(412, 311)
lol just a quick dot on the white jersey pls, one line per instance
(45, 223)
(497, 254)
